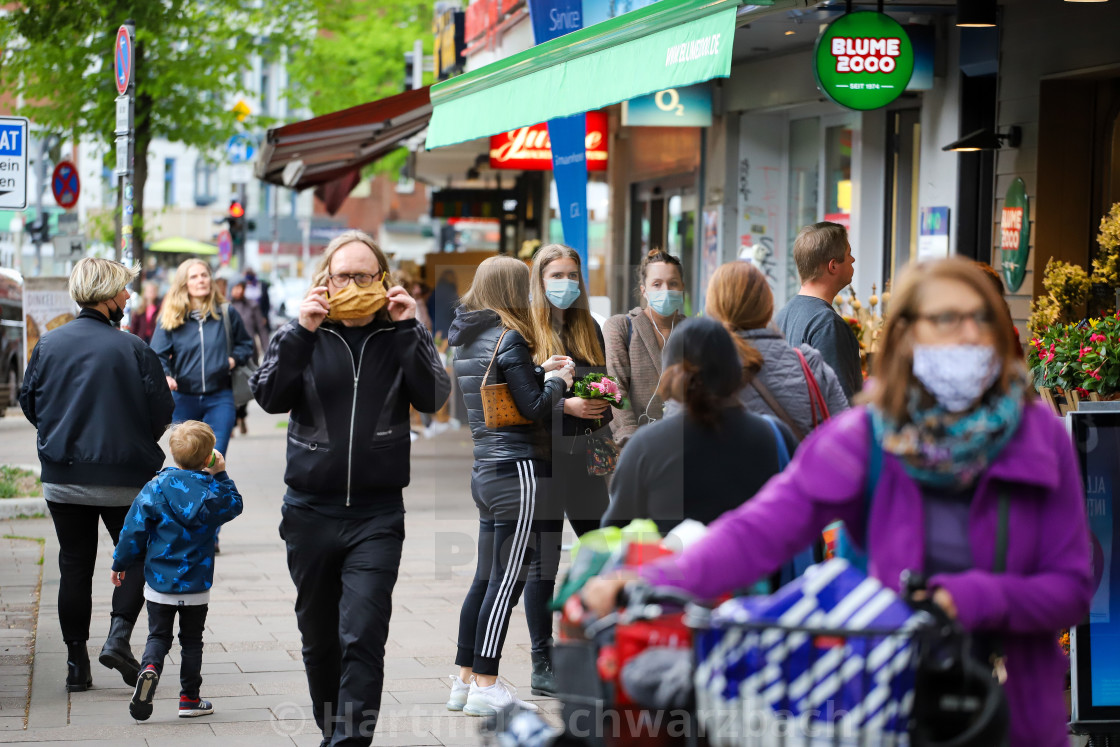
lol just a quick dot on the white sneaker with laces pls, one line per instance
(484, 701)
(459, 690)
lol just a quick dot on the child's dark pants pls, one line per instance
(161, 626)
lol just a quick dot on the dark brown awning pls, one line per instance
(342, 142)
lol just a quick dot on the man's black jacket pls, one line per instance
(348, 432)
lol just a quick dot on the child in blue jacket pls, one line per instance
(173, 523)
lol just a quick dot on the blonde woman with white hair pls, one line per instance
(347, 370)
(100, 404)
(196, 354)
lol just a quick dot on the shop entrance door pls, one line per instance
(663, 215)
(900, 225)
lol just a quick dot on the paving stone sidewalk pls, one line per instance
(252, 668)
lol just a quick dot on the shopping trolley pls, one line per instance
(783, 671)
(590, 659)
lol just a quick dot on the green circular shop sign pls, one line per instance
(864, 60)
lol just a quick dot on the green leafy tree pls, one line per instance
(357, 56)
(191, 57)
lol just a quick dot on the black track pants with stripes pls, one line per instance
(508, 495)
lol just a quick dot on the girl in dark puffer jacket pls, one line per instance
(508, 480)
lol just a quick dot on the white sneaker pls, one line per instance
(485, 701)
(459, 691)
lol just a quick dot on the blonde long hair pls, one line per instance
(177, 303)
(578, 334)
(501, 284)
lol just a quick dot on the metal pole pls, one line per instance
(41, 176)
(417, 65)
(125, 139)
(275, 230)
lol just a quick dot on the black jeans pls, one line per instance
(583, 498)
(76, 527)
(161, 627)
(344, 571)
(507, 495)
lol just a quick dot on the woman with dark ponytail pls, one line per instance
(710, 455)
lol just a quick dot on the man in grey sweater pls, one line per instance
(826, 265)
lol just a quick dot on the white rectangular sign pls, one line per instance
(13, 163)
(68, 247)
(123, 160)
(124, 121)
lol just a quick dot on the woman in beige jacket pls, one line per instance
(635, 341)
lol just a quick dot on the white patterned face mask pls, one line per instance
(956, 375)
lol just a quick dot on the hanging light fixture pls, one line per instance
(976, 13)
(986, 140)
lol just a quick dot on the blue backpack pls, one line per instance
(846, 548)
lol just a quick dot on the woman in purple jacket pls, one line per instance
(958, 427)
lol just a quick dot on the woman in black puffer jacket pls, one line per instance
(490, 331)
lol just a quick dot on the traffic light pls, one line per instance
(236, 221)
(408, 70)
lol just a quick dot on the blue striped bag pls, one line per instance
(758, 683)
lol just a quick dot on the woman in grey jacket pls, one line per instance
(740, 298)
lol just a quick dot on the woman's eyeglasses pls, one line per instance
(951, 321)
(362, 279)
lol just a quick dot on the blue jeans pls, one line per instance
(215, 409)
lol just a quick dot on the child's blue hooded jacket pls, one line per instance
(175, 519)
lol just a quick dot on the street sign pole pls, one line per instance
(125, 78)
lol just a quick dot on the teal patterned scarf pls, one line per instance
(946, 450)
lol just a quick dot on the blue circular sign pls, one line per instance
(241, 148)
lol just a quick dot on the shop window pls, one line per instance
(838, 175)
(168, 182)
(205, 183)
(804, 187)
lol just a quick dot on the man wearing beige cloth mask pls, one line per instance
(347, 370)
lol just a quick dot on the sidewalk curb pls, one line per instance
(49, 700)
(22, 508)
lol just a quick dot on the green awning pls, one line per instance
(183, 246)
(667, 44)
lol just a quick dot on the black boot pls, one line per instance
(117, 654)
(78, 677)
(543, 682)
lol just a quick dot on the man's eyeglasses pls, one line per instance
(362, 279)
(951, 321)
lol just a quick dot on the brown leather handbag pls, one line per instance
(498, 408)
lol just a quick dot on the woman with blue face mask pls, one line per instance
(635, 341)
(563, 326)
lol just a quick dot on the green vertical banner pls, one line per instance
(1015, 234)
(568, 135)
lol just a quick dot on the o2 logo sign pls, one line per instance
(864, 60)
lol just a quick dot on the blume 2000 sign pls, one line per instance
(865, 55)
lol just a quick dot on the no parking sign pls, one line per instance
(65, 184)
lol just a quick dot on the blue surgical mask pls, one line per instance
(561, 293)
(665, 302)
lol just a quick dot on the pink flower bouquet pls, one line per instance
(600, 386)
